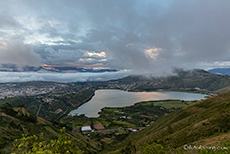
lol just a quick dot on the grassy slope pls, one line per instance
(200, 124)
(222, 90)
(12, 127)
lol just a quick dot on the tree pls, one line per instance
(34, 144)
(8, 109)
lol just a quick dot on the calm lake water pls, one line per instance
(119, 98)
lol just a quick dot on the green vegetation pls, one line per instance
(222, 90)
(205, 123)
(143, 113)
(171, 126)
(52, 107)
(139, 115)
(187, 127)
(174, 125)
(35, 144)
(15, 121)
(19, 113)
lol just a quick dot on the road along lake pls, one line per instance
(119, 98)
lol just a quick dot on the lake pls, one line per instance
(119, 98)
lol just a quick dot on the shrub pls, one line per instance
(34, 144)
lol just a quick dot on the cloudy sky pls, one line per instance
(139, 35)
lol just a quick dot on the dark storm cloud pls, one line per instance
(18, 53)
(60, 54)
(146, 36)
(194, 30)
(189, 33)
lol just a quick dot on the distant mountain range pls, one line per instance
(223, 71)
(50, 68)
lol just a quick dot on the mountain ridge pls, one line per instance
(192, 81)
(223, 71)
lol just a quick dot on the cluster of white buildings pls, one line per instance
(19, 90)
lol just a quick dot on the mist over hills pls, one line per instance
(182, 80)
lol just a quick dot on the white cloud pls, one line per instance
(96, 54)
(86, 59)
(152, 53)
(60, 77)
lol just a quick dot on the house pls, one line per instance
(123, 117)
(86, 129)
(98, 127)
(134, 130)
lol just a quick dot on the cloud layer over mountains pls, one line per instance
(57, 77)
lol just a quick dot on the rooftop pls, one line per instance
(98, 127)
(86, 128)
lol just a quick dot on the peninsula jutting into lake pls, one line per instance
(119, 98)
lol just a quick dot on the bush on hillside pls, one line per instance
(34, 144)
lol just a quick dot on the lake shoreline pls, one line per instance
(119, 98)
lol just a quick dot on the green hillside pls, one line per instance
(14, 122)
(206, 123)
(51, 107)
